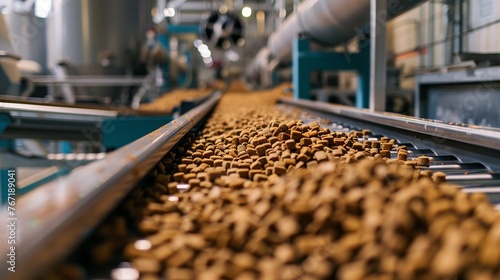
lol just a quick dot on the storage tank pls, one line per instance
(98, 37)
(87, 32)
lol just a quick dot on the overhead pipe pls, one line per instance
(256, 69)
(328, 22)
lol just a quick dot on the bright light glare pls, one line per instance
(173, 198)
(202, 48)
(197, 43)
(124, 273)
(246, 11)
(240, 42)
(169, 12)
(206, 54)
(223, 9)
(226, 44)
(182, 187)
(142, 244)
(207, 60)
(42, 8)
(232, 55)
(282, 13)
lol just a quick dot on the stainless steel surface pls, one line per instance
(87, 80)
(7, 160)
(5, 44)
(327, 21)
(90, 33)
(54, 216)
(469, 96)
(4, 54)
(488, 138)
(378, 56)
(52, 111)
(258, 68)
(28, 33)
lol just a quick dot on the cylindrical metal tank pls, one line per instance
(28, 36)
(94, 35)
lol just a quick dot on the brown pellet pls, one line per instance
(423, 160)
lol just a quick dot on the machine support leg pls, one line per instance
(301, 74)
(378, 59)
(363, 89)
(304, 61)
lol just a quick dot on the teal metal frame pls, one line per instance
(4, 122)
(182, 29)
(118, 132)
(304, 61)
(164, 40)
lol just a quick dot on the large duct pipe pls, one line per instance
(329, 22)
(257, 66)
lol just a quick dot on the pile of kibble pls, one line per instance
(270, 197)
(171, 100)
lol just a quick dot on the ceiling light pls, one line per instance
(42, 8)
(208, 60)
(232, 55)
(226, 44)
(223, 9)
(206, 54)
(240, 42)
(202, 48)
(282, 13)
(169, 12)
(197, 43)
(246, 11)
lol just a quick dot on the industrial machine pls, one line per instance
(469, 96)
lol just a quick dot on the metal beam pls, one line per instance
(378, 56)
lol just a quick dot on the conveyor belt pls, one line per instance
(54, 217)
(468, 155)
(59, 213)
